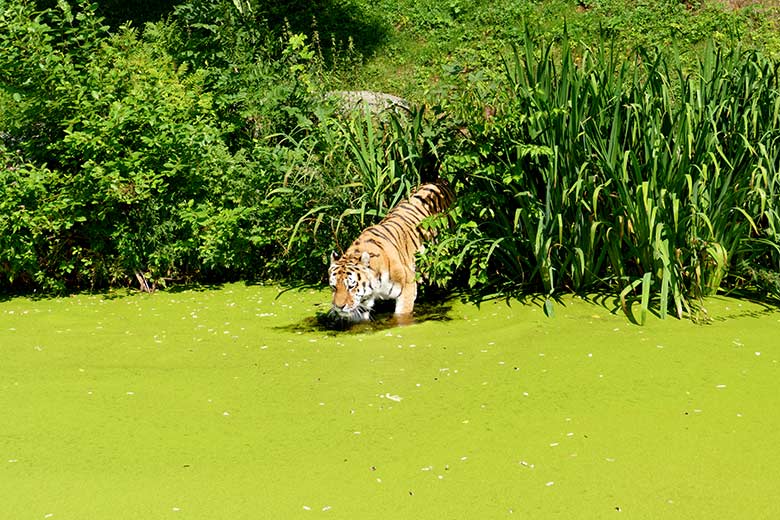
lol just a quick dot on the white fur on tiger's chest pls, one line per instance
(383, 288)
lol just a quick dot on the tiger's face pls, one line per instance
(351, 281)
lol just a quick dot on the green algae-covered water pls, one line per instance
(230, 404)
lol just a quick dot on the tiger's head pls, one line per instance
(352, 281)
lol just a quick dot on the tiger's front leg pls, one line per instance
(404, 304)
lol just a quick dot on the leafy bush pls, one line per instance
(116, 160)
(120, 137)
(126, 161)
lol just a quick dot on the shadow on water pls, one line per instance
(382, 319)
(696, 309)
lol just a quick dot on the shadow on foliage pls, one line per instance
(335, 22)
(117, 12)
(137, 12)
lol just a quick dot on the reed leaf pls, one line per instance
(639, 172)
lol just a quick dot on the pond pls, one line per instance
(235, 403)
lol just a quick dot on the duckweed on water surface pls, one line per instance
(219, 404)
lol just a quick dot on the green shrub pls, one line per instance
(119, 135)
(117, 162)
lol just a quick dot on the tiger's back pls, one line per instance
(379, 264)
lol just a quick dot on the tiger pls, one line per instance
(379, 264)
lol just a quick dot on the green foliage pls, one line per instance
(260, 81)
(118, 164)
(594, 171)
(207, 146)
(373, 163)
(119, 135)
(427, 38)
(645, 23)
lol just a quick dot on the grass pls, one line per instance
(424, 41)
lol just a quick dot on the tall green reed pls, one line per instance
(636, 174)
(374, 161)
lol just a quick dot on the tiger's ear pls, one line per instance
(334, 256)
(365, 257)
